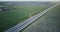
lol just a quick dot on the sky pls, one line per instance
(29, 0)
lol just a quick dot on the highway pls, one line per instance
(50, 22)
(22, 25)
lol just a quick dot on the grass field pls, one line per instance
(50, 22)
(17, 14)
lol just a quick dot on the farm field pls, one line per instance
(17, 14)
(50, 22)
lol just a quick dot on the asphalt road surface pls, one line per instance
(22, 25)
(50, 22)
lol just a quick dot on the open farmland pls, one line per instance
(50, 22)
(16, 14)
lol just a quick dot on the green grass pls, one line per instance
(49, 22)
(17, 14)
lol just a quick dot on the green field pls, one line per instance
(49, 22)
(17, 14)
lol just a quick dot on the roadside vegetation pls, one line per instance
(17, 14)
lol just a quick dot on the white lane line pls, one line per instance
(22, 25)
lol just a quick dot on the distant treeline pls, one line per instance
(26, 3)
